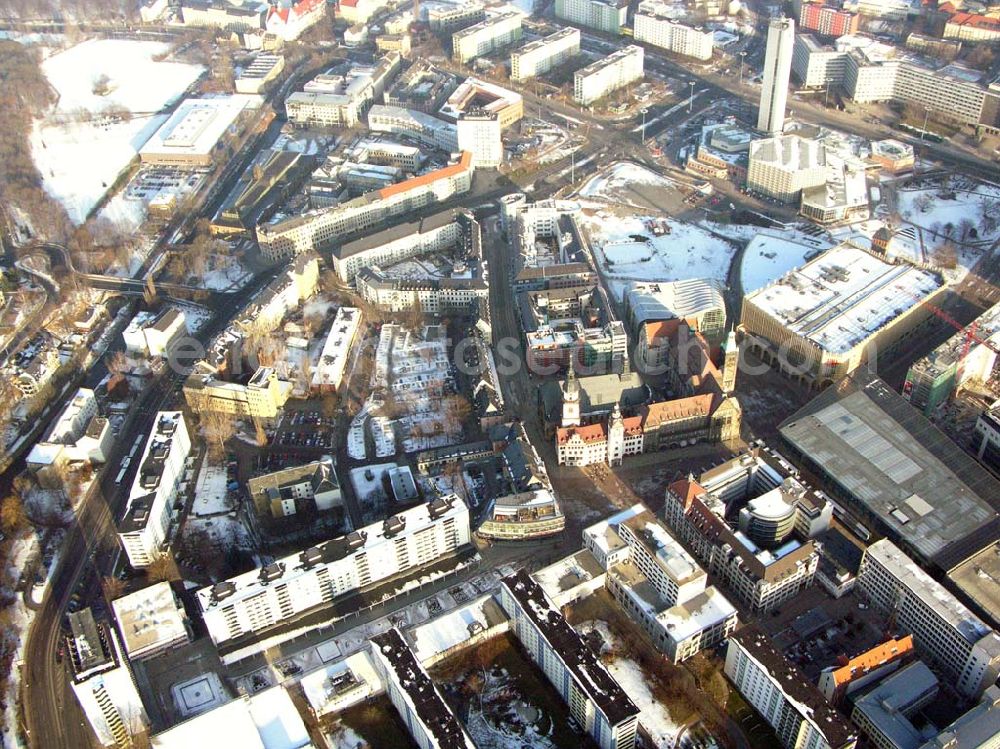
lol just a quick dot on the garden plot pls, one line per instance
(638, 248)
(654, 716)
(112, 95)
(769, 256)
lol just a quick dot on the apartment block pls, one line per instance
(817, 65)
(404, 240)
(759, 578)
(292, 490)
(827, 20)
(486, 36)
(783, 696)
(102, 681)
(602, 77)
(143, 530)
(883, 713)
(542, 55)
(837, 682)
(659, 584)
(416, 698)
(608, 16)
(945, 632)
(253, 603)
(596, 701)
(152, 621)
(654, 26)
(323, 227)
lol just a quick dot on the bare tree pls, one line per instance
(12, 516)
(162, 569)
(218, 429)
(112, 588)
(118, 363)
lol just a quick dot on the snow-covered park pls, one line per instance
(626, 249)
(952, 211)
(112, 94)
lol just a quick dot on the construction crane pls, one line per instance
(970, 331)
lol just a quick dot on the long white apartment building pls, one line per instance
(596, 701)
(143, 530)
(416, 698)
(540, 56)
(654, 25)
(328, 225)
(945, 632)
(432, 296)
(784, 697)
(252, 603)
(402, 241)
(328, 374)
(415, 125)
(102, 681)
(659, 584)
(604, 15)
(486, 36)
(871, 71)
(602, 77)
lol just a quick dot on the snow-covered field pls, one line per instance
(626, 250)
(79, 148)
(610, 182)
(769, 256)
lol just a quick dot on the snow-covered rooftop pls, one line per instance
(149, 618)
(844, 296)
(195, 127)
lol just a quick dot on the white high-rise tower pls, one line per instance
(777, 70)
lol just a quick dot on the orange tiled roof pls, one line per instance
(975, 20)
(879, 655)
(425, 179)
(687, 490)
(589, 433)
(666, 411)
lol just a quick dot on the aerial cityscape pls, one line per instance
(500, 374)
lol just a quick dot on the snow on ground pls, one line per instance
(195, 316)
(770, 255)
(654, 717)
(224, 531)
(344, 737)
(626, 250)
(935, 207)
(367, 481)
(229, 273)
(211, 496)
(447, 631)
(79, 149)
(608, 184)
